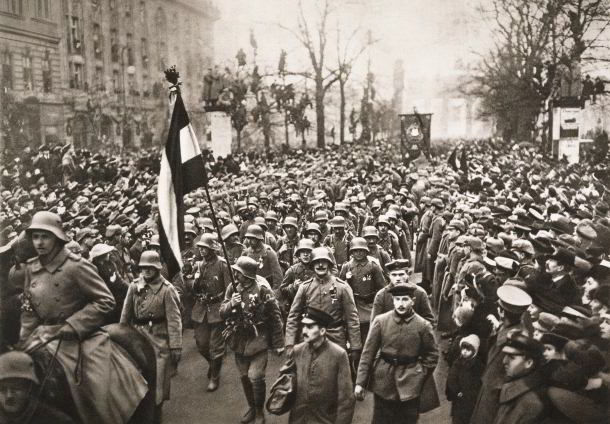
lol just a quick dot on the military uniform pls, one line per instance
(334, 297)
(296, 275)
(285, 251)
(153, 309)
(269, 267)
(339, 247)
(383, 303)
(234, 251)
(422, 240)
(389, 243)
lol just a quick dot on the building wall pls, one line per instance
(107, 59)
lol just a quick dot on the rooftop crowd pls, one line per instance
(513, 251)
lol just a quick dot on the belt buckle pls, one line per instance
(395, 361)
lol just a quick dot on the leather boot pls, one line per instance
(260, 391)
(249, 415)
(215, 367)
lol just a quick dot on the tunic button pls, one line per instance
(33, 285)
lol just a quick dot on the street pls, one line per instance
(191, 403)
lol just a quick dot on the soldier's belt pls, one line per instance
(398, 359)
(209, 300)
(366, 297)
(148, 321)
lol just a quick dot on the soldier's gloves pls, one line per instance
(67, 333)
(359, 392)
(175, 355)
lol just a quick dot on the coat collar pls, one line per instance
(55, 263)
(515, 388)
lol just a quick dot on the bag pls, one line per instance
(284, 391)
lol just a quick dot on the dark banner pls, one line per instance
(415, 133)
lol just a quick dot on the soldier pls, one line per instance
(365, 277)
(400, 228)
(399, 274)
(269, 267)
(422, 239)
(407, 357)
(435, 232)
(269, 238)
(324, 396)
(387, 239)
(271, 220)
(371, 235)
(338, 241)
(296, 274)
(152, 308)
(208, 288)
(230, 236)
(321, 218)
(324, 291)
(254, 325)
(288, 242)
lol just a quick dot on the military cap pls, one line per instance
(506, 264)
(569, 329)
(518, 342)
(398, 264)
(585, 230)
(561, 224)
(402, 290)
(475, 243)
(437, 203)
(316, 316)
(575, 312)
(513, 299)
(524, 246)
(489, 262)
(193, 211)
(112, 230)
(494, 244)
(516, 282)
(545, 322)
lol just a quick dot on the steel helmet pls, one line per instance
(228, 230)
(253, 201)
(150, 258)
(391, 214)
(190, 228)
(271, 216)
(370, 231)
(341, 207)
(321, 254)
(154, 241)
(337, 222)
(260, 221)
(376, 204)
(241, 206)
(304, 244)
(246, 266)
(358, 243)
(320, 216)
(207, 223)
(209, 241)
(99, 250)
(313, 227)
(290, 221)
(383, 220)
(48, 221)
(255, 231)
(17, 364)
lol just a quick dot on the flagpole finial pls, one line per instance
(172, 75)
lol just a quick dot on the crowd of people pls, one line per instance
(314, 255)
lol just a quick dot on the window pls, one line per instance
(7, 70)
(74, 44)
(42, 9)
(76, 75)
(28, 75)
(132, 86)
(128, 9)
(112, 4)
(12, 6)
(130, 56)
(98, 45)
(145, 86)
(47, 78)
(99, 79)
(114, 45)
(144, 49)
(143, 13)
(116, 88)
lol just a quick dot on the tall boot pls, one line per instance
(260, 391)
(247, 385)
(207, 358)
(158, 413)
(215, 367)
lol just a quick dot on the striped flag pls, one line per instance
(182, 171)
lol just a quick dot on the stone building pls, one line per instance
(91, 71)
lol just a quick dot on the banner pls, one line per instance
(415, 133)
(221, 133)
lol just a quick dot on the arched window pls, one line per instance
(7, 69)
(47, 78)
(28, 75)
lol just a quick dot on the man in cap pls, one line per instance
(269, 266)
(522, 396)
(324, 396)
(365, 276)
(326, 292)
(398, 271)
(64, 297)
(408, 355)
(18, 382)
(254, 325)
(208, 288)
(512, 303)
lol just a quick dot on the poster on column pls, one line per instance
(221, 134)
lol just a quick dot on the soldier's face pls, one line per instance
(290, 231)
(14, 395)
(149, 272)
(233, 239)
(321, 268)
(359, 254)
(44, 242)
(383, 229)
(312, 332)
(399, 276)
(205, 251)
(305, 256)
(402, 304)
(516, 363)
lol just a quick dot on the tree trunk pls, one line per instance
(286, 129)
(342, 111)
(320, 115)
(238, 147)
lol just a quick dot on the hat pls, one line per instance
(521, 343)
(99, 249)
(563, 257)
(554, 340)
(586, 231)
(471, 340)
(402, 290)
(575, 312)
(317, 316)
(546, 322)
(246, 266)
(17, 364)
(475, 243)
(398, 264)
(506, 264)
(112, 230)
(569, 329)
(513, 299)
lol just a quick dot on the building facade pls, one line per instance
(90, 72)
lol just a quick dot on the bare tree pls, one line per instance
(315, 42)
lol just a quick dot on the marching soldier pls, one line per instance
(423, 232)
(230, 237)
(296, 274)
(338, 241)
(371, 235)
(208, 287)
(387, 239)
(269, 267)
(408, 355)
(288, 242)
(324, 291)
(254, 325)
